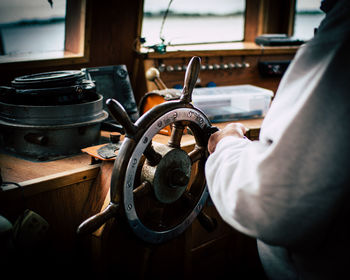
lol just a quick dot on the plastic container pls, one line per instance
(228, 103)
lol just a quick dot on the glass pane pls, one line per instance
(308, 16)
(193, 21)
(31, 26)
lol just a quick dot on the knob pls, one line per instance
(161, 67)
(211, 84)
(224, 66)
(238, 65)
(170, 68)
(178, 68)
(153, 75)
(231, 65)
(210, 67)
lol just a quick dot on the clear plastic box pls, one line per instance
(228, 103)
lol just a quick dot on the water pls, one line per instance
(184, 30)
(50, 37)
(33, 38)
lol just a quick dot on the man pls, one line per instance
(291, 189)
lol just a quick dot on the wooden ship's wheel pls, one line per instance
(159, 188)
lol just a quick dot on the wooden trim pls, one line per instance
(277, 16)
(232, 49)
(291, 17)
(136, 45)
(39, 61)
(75, 26)
(253, 19)
(51, 182)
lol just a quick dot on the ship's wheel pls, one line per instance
(159, 188)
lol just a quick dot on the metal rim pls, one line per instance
(43, 116)
(195, 117)
(48, 79)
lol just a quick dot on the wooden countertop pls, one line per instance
(18, 170)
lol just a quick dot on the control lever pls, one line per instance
(153, 75)
(207, 222)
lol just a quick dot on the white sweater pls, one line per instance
(291, 189)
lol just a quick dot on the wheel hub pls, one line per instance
(170, 177)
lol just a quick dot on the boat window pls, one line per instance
(188, 22)
(34, 26)
(308, 16)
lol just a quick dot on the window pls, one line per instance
(308, 16)
(33, 26)
(192, 21)
(35, 30)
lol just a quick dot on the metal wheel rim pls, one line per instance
(143, 232)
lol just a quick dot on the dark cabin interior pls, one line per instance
(67, 191)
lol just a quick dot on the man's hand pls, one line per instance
(232, 129)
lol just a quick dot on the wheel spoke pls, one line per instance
(196, 154)
(152, 156)
(160, 217)
(176, 135)
(154, 217)
(188, 199)
(142, 190)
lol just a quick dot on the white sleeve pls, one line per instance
(282, 196)
(233, 182)
(289, 186)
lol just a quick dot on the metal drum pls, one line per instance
(44, 131)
